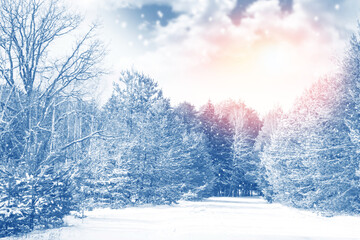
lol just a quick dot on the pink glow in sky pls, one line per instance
(266, 59)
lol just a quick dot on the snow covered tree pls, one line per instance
(147, 143)
(219, 141)
(270, 123)
(245, 125)
(310, 162)
(351, 92)
(36, 82)
(198, 175)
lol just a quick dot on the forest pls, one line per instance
(62, 153)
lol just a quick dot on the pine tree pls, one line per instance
(197, 172)
(147, 143)
(310, 161)
(244, 125)
(218, 140)
(270, 124)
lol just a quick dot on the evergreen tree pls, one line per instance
(148, 144)
(196, 166)
(310, 162)
(244, 125)
(270, 124)
(219, 142)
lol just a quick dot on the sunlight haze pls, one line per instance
(263, 52)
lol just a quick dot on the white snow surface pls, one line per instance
(214, 218)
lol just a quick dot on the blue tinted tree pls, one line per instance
(36, 83)
(218, 141)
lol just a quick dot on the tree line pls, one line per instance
(60, 153)
(310, 155)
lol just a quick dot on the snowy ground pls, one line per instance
(215, 218)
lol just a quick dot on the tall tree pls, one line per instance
(197, 171)
(310, 161)
(147, 143)
(37, 81)
(271, 122)
(245, 125)
(351, 92)
(218, 140)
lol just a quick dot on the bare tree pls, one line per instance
(37, 82)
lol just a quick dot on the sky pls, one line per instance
(262, 52)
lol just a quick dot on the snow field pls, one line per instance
(211, 219)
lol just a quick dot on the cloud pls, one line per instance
(202, 56)
(186, 6)
(339, 14)
(275, 51)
